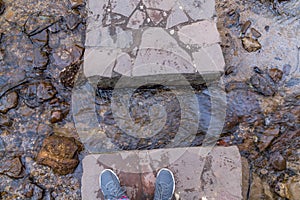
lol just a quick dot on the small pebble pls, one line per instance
(245, 27)
(257, 70)
(250, 44)
(278, 162)
(56, 116)
(229, 70)
(255, 33)
(275, 74)
(267, 28)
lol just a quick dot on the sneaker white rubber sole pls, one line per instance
(171, 175)
(106, 171)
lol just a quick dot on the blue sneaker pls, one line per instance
(110, 185)
(164, 185)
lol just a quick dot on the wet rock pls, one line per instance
(275, 74)
(41, 39)
(40, 59)
(250, 44)
(12, 168)
(20, 189)
(267, 137)
(64, 57)
(37, 23)
(68, 75)
(8, 101)
(255, 33)
(29, 190)
(59, 153)
(5, 120)
(72, 21)
(278, 161)
(76, 3)
(2, 7)
(243, 106)
(45, 91)
(262, 85)
(56, 116)
(36, 93)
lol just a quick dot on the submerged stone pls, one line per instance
(59, 153)
(8, 101)
(12, 168)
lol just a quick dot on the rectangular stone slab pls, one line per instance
(218, 176)
(154, 38)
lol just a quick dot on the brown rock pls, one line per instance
(278, 161)
(245, 26)
(8, 101)
(59, 153)
(5, 121)
(275, 74)
(281, 190)
(267, 137)
(250, 44)
(12, 168)
(2, 7)
(256, 188)
(259, 189)
(293, 186)
(68, 75)
(56, 116)
(76, 3)
(45, 91)
(245, 177)
(41, 59)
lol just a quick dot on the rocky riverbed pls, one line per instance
(41, 51)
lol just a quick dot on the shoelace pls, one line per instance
(162, 187)
(115, 191)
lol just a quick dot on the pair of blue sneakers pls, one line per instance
(112, 190)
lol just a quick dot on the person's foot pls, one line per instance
(110, 185)
(164, 185)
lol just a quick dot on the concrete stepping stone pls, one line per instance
(217, 176)
(134, 38)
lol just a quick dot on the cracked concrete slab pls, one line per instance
(218, 176)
